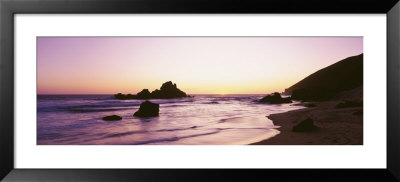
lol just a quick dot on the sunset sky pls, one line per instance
(198, 65)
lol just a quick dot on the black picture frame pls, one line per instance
(9, 8)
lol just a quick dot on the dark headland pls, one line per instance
(334, 114)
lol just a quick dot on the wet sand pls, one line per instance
(337, 126)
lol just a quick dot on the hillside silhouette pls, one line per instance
(336, 79)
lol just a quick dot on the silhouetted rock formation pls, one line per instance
(329, 82)
(144, 94)
(305, 126)
(168, 90)
(112, 118)
(119, 96)
(123, 96)
(147, 109)
(275, 98)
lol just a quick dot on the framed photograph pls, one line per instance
(130, 90)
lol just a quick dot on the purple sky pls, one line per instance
(199, 65)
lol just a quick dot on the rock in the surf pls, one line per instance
(147, 109)
(112, 118)
(144, 94)
(168, 90)
(275, 98)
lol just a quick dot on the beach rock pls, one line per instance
(130, 96)
(144, 94)
(275, 98)
(124, 97)
(305, 126)
(119, 96)
(147, 109)
(112, 118)
(168, 90)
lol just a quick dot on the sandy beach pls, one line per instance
(336, 126)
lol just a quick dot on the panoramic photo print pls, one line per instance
(199, 91)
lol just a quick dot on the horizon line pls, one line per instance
(186, 94)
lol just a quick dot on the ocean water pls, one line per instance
(202, 120)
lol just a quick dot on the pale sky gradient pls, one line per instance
(198, 65)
